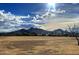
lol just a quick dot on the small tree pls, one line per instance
(74, 32)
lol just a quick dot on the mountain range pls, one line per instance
(35, 32)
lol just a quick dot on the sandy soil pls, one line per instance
(38, 45)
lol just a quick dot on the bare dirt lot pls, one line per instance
(38, 45)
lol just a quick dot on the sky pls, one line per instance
(47, 16)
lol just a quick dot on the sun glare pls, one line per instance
(52, 5)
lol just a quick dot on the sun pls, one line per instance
(52, 5)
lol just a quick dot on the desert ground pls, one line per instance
(38, 45)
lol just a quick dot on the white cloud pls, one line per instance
(35, 20)
(10, 22)
(59, 19)
(38, 20)
(58, 11)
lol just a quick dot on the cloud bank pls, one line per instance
(10, 22)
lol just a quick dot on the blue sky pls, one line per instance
(22, 8)
(38, 15)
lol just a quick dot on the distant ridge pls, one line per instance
(36, 32)
(24, 32)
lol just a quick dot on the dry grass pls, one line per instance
(35, 45)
